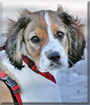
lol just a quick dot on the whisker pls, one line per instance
(71, 61)
(51, 67)
(54, 66)
(72, 57)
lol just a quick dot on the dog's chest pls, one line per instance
(34, 87)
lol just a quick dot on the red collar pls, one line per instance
(33, 67)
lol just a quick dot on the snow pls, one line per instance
(73, 82)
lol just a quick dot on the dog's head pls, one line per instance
(52, 39)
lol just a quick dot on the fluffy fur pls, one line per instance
(44, 25)
(76, 39)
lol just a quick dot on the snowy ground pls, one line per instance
(73, 82)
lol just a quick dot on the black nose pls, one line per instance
(54, 56)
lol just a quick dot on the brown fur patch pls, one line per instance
(5, 95)
(38, 25)
(42, 34)
(54, 28)
(27, 12)
(60, 8)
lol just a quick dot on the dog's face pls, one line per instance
(52, 39)
(46, 40)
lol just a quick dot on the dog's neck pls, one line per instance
(32, 84)
(29, 82)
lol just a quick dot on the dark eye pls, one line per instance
(35, 39)
(60, 35)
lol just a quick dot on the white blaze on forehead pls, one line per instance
(48, 22)
(53, 43)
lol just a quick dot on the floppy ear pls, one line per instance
(14, 41)
(76, 39)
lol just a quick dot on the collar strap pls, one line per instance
(13, 87)
(33, 67)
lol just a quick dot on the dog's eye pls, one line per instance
(35, 39)
(60, 35)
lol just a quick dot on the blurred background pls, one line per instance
(75, 7)
(72, 82)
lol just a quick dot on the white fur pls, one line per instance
(53, 45)
(47, 19)
(34, 87)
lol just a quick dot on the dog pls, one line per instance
(52, 40)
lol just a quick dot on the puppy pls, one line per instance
(52, 40)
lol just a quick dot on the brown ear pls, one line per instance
(14, 41)
(76, 39)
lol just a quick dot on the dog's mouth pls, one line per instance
(54, 66)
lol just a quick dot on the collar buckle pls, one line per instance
(11, 83)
